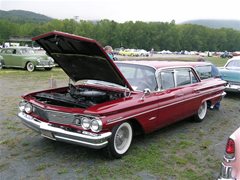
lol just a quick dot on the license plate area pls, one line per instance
(47, 134)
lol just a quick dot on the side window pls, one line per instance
(167, 79)
(204, 71)
(183, 76)
(177, 77)
(7, 51)
(3, 51)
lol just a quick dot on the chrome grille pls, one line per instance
(44, 63)
(54, 116)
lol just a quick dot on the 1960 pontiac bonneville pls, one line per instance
(108, 102)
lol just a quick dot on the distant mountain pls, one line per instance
(234, 24)
(23, 16)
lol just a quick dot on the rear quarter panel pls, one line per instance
(236, 164)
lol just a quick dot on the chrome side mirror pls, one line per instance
(146, 92)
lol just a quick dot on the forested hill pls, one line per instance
(234, 24)
(23, 16)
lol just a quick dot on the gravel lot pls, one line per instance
(185, 150)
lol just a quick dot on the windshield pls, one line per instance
(140, 77)
(233, 64)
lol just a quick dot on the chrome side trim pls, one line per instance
(110, 121)
(95, 141)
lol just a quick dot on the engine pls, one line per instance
(78, 97)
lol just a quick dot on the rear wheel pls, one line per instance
(30, 66)
(202, 111)
(120, 140)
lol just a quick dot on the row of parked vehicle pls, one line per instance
(132, 52)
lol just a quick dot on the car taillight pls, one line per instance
(230, 148)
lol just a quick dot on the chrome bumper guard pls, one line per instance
(232, 88)
(225, 173)
(97, 141)
(224, 94)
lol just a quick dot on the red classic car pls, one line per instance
(108, 101)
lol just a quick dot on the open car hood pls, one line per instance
(81, 58)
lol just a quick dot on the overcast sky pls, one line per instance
(126, 10)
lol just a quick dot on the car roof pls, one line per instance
(235, 58)
(165, 64)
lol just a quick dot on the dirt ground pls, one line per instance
(196, 147)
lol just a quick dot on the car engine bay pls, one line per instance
(81, 97)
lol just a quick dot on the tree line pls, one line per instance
(141, 35)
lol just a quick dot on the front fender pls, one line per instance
(26, 60)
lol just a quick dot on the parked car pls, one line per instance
(236, 53)
(231, 73)
(111, 101)
(230, 167)
(24, 57)
(226, 54)
(130, 52)
(143, 52)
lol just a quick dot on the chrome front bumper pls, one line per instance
(45, 66)
(95, 141)
(232, 88)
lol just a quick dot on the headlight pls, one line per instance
(86, 123)
(96, 125)
(78, 122)
(28, 108)
(21, 106)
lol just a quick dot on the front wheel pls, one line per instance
(1, 64)
(30, 66)
(202, 111)
(120, 140)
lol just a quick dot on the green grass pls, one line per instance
(219, 62)
(42, 167)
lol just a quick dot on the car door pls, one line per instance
(187, 80)
(6, 54)
(11, 58)
(170, 98)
